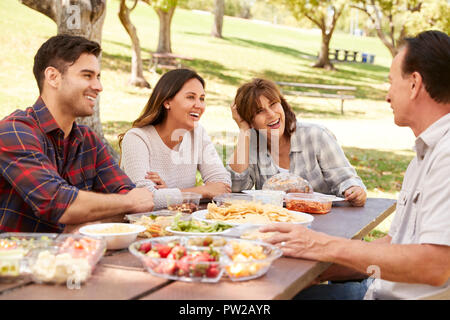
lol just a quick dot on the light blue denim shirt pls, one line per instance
(315, 156)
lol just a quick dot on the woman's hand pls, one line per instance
(356, 196)
(160, 184)
(212, 189)
(242, 124)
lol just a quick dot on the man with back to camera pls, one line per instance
(413, 260)
(54, 172)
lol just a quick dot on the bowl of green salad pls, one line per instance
(197, 228)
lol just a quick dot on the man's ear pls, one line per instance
(52, 76)
(416, 84)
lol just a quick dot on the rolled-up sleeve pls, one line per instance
(25, 166)
(240, 181)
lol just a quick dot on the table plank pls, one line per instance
(14, 284)
(123, 260)
(105, 283)
(359, 221)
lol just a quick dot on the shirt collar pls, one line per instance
(48, 123)
(431, 136)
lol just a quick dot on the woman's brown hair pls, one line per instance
(248, 102)
(166, 88)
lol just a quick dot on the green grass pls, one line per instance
(248, 50)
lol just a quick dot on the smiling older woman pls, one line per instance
(167, 145)
(271, 141)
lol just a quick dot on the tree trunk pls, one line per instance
(165, 21)
(82, 18)
(324, 61)
(137, 75)
(219, 11)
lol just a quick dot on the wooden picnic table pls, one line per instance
(121, 276)
(167, 61)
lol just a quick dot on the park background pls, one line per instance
(260, 39)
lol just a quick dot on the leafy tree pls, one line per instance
(137, 75)
(395, 19)
(322, 13)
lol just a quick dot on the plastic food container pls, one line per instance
(287, 182)
(229, 198)
(155, 222)
(116, 235)
(309, 203)
(14, 248)
(187, 202)
(247, 259)
(172, 258)
(69, 261)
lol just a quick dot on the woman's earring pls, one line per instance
(168, 107)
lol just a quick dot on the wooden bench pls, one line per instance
(168, 61)
(339, 92)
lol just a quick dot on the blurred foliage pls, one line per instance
(397, 19)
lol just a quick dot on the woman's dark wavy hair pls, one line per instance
(428, 53)
(248, 102)
(166, 88)
(59, 52)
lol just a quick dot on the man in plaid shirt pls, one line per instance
(54, 172)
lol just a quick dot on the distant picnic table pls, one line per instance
(351, 55)
(338, 92)
(167, 61)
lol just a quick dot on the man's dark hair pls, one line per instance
(59, 52)
(428, 53)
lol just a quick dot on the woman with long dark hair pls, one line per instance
(272, 140)
(166, 144)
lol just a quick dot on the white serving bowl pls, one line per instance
(114, 240)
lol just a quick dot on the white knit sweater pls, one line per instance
(143, 150)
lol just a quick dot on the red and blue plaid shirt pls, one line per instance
(39, 179)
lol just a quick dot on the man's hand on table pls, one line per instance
(298, 241)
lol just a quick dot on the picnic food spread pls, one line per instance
(49, 258)
(179, 258)
(251, 212)
(62, 258)
(288, 182)
(13, 249)
(172, 258)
